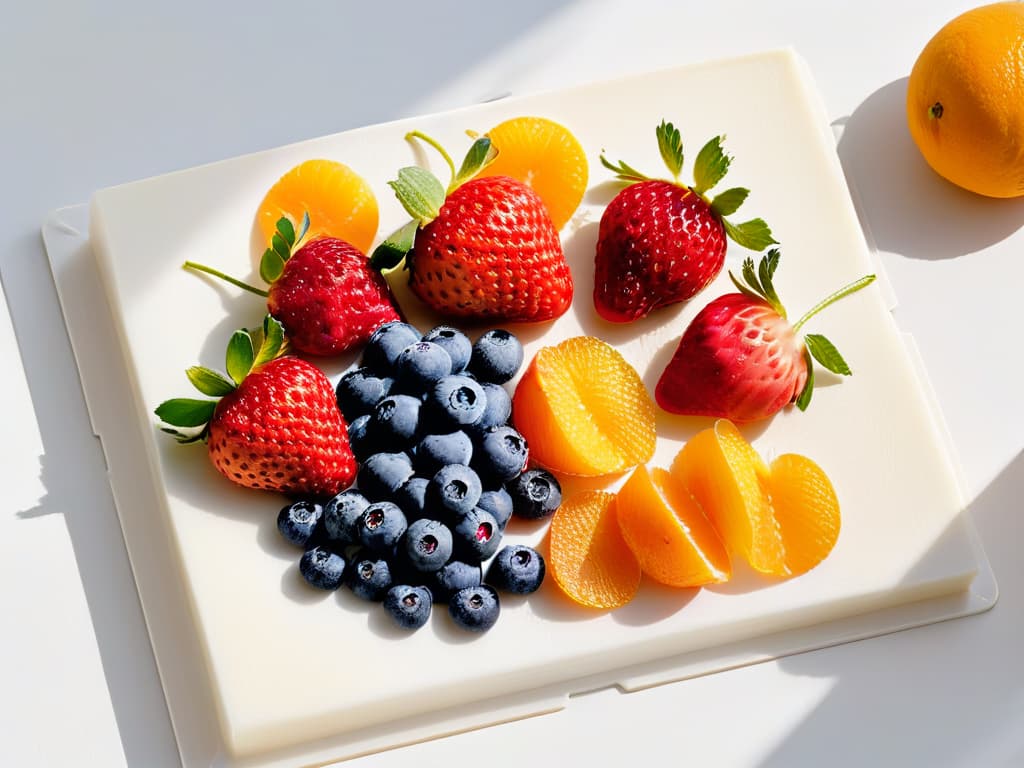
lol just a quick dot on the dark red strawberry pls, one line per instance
(482, 249)
(662, 242)
(741, 359)
(276, 425)
(325, 293)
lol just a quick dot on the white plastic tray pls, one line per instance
(226, 612)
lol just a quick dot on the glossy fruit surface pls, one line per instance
(965, 100)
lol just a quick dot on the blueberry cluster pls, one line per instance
(441, 472)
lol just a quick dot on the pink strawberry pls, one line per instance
(662, 242)
(276, 425)
(482, 249)
(741, 359)
(325, 293)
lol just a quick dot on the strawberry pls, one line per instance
(662, 242)
(276, 425)
(482, 249)
(324, 293)
(741, 359)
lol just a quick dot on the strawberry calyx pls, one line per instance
(283, 245)
(188, 419)
(758, 285)
(709, 169)
(422, 195)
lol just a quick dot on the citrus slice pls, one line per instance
(584, 409)
(588, 558)
(547, 157)
(667, 531)
(339, 202)
(806, 509)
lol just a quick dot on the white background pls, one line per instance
(100, 93)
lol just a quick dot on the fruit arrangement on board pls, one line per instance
(407, 476)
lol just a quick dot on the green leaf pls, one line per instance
(209, 382)
(670, 144)
(281, 247)
(396, 247)
(420, 193)
(185, 411)
(273, 341)
(804, 398)
(753, 234)
(824, 352)
(271, 266)
(750, 276)
(286, 230)
(304, 228)
(766, 272)
(726, 203)
(240, 356)
(481, 154)
(193, 436)
(623, 172)
(710, 166)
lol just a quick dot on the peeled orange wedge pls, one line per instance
(584, 409)
(547, 157)
(339, 202)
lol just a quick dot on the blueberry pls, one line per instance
(412, 497)
(382, 474)
(381, 526)
(501, 455)
(476, 535)
(419, 365)
(455, 402)
(455, 488)
(499, 503)
(409, 606)
(359, 390)
(298, 521)
(427, 545)
(475, 608)
(454, 342)
(395, 420)
(368, 576)
(361, 437)
(436, 451)
(496, 357)
(535, 494)
(322, 567)
(497, 410)
(385, 344)
(518, 569)
(341, 515)
(453, 576)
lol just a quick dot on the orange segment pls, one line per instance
(663, 525)
(584, 410)
(546, 156)
(339, 202)
(727, 478)
(589, 559)
(806, 509)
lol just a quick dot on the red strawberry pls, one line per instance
(325, 293)
(276, 426)
(484, 249)
(740, 358)
(662, 242)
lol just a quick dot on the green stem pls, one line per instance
(433, 142)
(853, 287)
(226, 278)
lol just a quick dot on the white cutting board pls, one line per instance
(260, 670)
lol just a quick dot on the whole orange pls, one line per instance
(965, 100)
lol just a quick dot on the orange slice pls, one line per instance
(589, 560)
(339, 202)
(727, 477)
(546, 156)
(584, 410)
(667, 531)
(806, 510)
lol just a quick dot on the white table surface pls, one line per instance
(99, 93)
